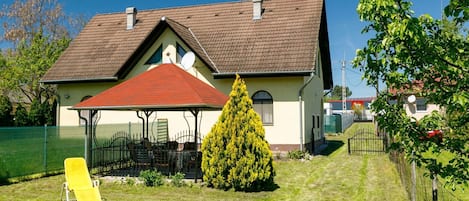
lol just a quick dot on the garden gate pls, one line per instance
(367, 141)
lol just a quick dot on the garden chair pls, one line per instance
(79, 182)
(162, 131)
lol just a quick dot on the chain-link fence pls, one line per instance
(26, 151)
(418, 186)
(337, 123)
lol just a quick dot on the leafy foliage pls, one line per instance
(297, 155)
(429, 57)
(336, 93)
(39, 32)
(152, 178)
(6, 118)
(235, 153)
(177, 180)
(21, 116)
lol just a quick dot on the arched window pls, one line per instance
(263, 105)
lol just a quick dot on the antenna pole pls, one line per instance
(344, 95)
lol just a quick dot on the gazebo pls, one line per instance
(166, 87)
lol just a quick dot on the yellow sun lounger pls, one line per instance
(79, 182)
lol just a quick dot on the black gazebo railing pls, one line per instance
(126, 154)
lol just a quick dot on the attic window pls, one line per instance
(157, 57)
(180, 53)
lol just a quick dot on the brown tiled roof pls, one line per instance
(224, 36)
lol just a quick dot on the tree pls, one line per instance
(407, 50)
(25, 18)
(39, 31)
(235, 153)
(336, 93)
(29, 63)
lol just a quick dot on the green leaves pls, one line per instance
(424, 56)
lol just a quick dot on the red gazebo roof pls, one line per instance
(166, 87)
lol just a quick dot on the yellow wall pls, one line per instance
(284, 90)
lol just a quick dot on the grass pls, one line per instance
(334, 175)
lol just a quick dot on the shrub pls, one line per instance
(235, 154)
(6, 119)
(21, 116)
(130, 181)
(177, 180)
(152, 178)
(296, 154)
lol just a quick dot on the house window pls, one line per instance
(157, 57)
(421, 104)
(180, 53)
(263, 105)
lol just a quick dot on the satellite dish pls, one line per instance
(411, 99)
(188, 60)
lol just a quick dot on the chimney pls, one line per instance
(131, 17)
(256, 9)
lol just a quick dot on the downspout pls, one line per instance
(300, 103)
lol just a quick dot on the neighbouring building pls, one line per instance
(415, 105)
(279, 47)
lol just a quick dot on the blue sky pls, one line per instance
(344, 27)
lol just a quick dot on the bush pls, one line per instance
(21, 116)
(297, 155)
(152, 178)
(6, 119)
(235, 154)
(177, 180)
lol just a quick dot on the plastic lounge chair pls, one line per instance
(79, 182)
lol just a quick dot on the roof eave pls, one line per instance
(205, 107)
(80, 80)
(262, 74)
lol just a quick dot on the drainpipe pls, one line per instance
(300, 103)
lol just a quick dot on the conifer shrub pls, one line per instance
(21, 116)
(6, 119)
(235, 154)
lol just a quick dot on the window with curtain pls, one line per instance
(263, 105)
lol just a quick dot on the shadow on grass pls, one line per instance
(4, 180)
(268, 187)
(332, 146)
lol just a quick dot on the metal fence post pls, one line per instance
(348, 143)
(45, 148)
(413, 193)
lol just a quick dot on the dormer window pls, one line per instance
(180, 53)
(157, 57)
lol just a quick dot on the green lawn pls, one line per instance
(332, 176)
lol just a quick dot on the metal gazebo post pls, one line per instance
(195, 112)
(89, 132)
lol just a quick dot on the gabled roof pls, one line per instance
(224, 36)
(166, 87)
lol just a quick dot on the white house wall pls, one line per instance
(411, 110)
